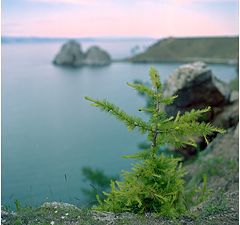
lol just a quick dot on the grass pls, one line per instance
(48, 215)
(215, 206)
(234, 84)
(217, 166)
(208, 49)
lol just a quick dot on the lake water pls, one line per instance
(49, 130)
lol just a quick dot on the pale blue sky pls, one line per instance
(153, 18)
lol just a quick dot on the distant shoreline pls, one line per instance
(160, 51)
(25, 40)
(231, 62)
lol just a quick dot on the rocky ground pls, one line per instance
(215, 170)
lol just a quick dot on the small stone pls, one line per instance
(66, 214)
(55, 211)
(59, 205)
(62, 217)
(52, 223)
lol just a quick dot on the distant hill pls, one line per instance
(19, 40)
(207, 49)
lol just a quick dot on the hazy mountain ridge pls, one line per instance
(9, 40)
(208, 49)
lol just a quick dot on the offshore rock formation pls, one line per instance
(97, 57)
(72, 55)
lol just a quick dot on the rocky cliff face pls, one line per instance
(197, 88)
(72, 55)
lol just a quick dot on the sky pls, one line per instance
(125, 18)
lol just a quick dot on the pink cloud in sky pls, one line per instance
(142, 18)
(81, 2)
(96, 1)
(192, 1)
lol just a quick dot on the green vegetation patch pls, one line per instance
(234, 84)
(209, 49)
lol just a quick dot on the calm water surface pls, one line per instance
(49, 130)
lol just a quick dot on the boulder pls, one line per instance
(196, 87)
(95, 56)
(70, 55)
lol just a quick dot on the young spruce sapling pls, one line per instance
(155, 183)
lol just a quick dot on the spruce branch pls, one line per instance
(155, 78)
(131, 122)
(193, 115)
(142, 89)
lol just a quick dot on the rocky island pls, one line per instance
(71, 54)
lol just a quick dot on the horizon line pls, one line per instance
(113, 36)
